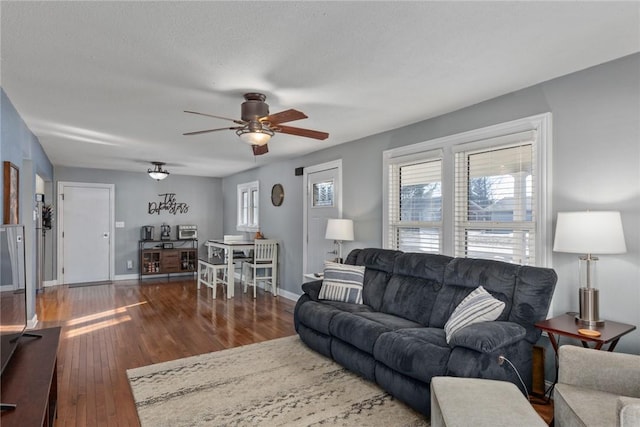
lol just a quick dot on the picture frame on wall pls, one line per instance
(11, 193)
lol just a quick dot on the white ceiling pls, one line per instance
(104, 84)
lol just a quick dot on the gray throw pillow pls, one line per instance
(478, 306)
(342, 282)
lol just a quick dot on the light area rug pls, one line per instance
(275, 383)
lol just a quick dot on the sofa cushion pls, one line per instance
(534, 289)
(463, 275)
(362, 329)
(577, 406)
(478, 306)
(419, 353)
(487, 337)
(379, 265)
(414, 285)
(318, 315)
(342, 282)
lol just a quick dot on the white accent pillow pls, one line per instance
(342, 282)
(478, 306)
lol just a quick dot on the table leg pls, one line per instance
(613, 344)
(554, 343)
(230, 274)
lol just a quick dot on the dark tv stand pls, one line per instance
(31, 335)
(26, 334)
(30, 382)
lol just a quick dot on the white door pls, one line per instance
(84, 232)
(323, 200)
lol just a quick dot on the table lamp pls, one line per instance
(589, 233)
(339, 230)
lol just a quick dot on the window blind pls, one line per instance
(415, 204)
(495, 215)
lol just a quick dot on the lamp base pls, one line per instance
(589, 307)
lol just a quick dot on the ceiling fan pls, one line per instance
(256, 126)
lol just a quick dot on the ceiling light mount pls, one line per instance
(157, 172)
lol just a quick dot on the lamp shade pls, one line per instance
(157, 172)
(339, 229)
(589, 232)
(255, 138)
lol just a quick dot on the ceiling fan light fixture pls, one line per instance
(157, 172)
(255, 137)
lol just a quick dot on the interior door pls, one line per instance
(323, 201)
(85, 232)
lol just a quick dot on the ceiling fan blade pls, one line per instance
(259, 149)
(307, 133)
(240, 122)
(198, 132)
(284, 116)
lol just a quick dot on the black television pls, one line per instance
(13, 298)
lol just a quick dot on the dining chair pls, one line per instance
(265, 258)
(211, 272)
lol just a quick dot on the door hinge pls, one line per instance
(62, 195)
(62, 270)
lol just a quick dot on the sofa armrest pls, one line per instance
(628, 410)
(487, 337)
(312, 289)
(616, 373)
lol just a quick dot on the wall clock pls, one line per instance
(277, 195)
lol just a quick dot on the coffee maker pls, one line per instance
(165, 232)
(146, 232)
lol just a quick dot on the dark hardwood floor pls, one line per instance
(107, 329)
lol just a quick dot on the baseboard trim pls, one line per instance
(133, 276)
(120, 277)
(33, 322)
(288, 295)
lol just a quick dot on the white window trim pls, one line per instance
(254, 223)
(540, 123)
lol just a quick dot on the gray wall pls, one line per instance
(596, 165)
(133, 192)
(20, 147)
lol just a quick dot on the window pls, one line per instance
(415, 211)
(248, 206)
(494, 216)
(323, 194)
(480, 194)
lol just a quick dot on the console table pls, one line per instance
(30, 381)
(168, 256)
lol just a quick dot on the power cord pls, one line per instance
(501, 360)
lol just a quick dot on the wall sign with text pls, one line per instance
(169, 204)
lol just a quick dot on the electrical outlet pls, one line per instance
(129, 264)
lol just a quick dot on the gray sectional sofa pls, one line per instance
(396, 338)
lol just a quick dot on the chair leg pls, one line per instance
(245, 283)
(225, 281)
(255, 284)
(213, 279)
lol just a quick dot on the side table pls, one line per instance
(565, 325)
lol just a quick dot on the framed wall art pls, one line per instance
(10, 195)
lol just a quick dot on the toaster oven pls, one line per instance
(186, 232)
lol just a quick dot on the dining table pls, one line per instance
(229, 246)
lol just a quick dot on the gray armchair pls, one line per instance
(597, 388)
